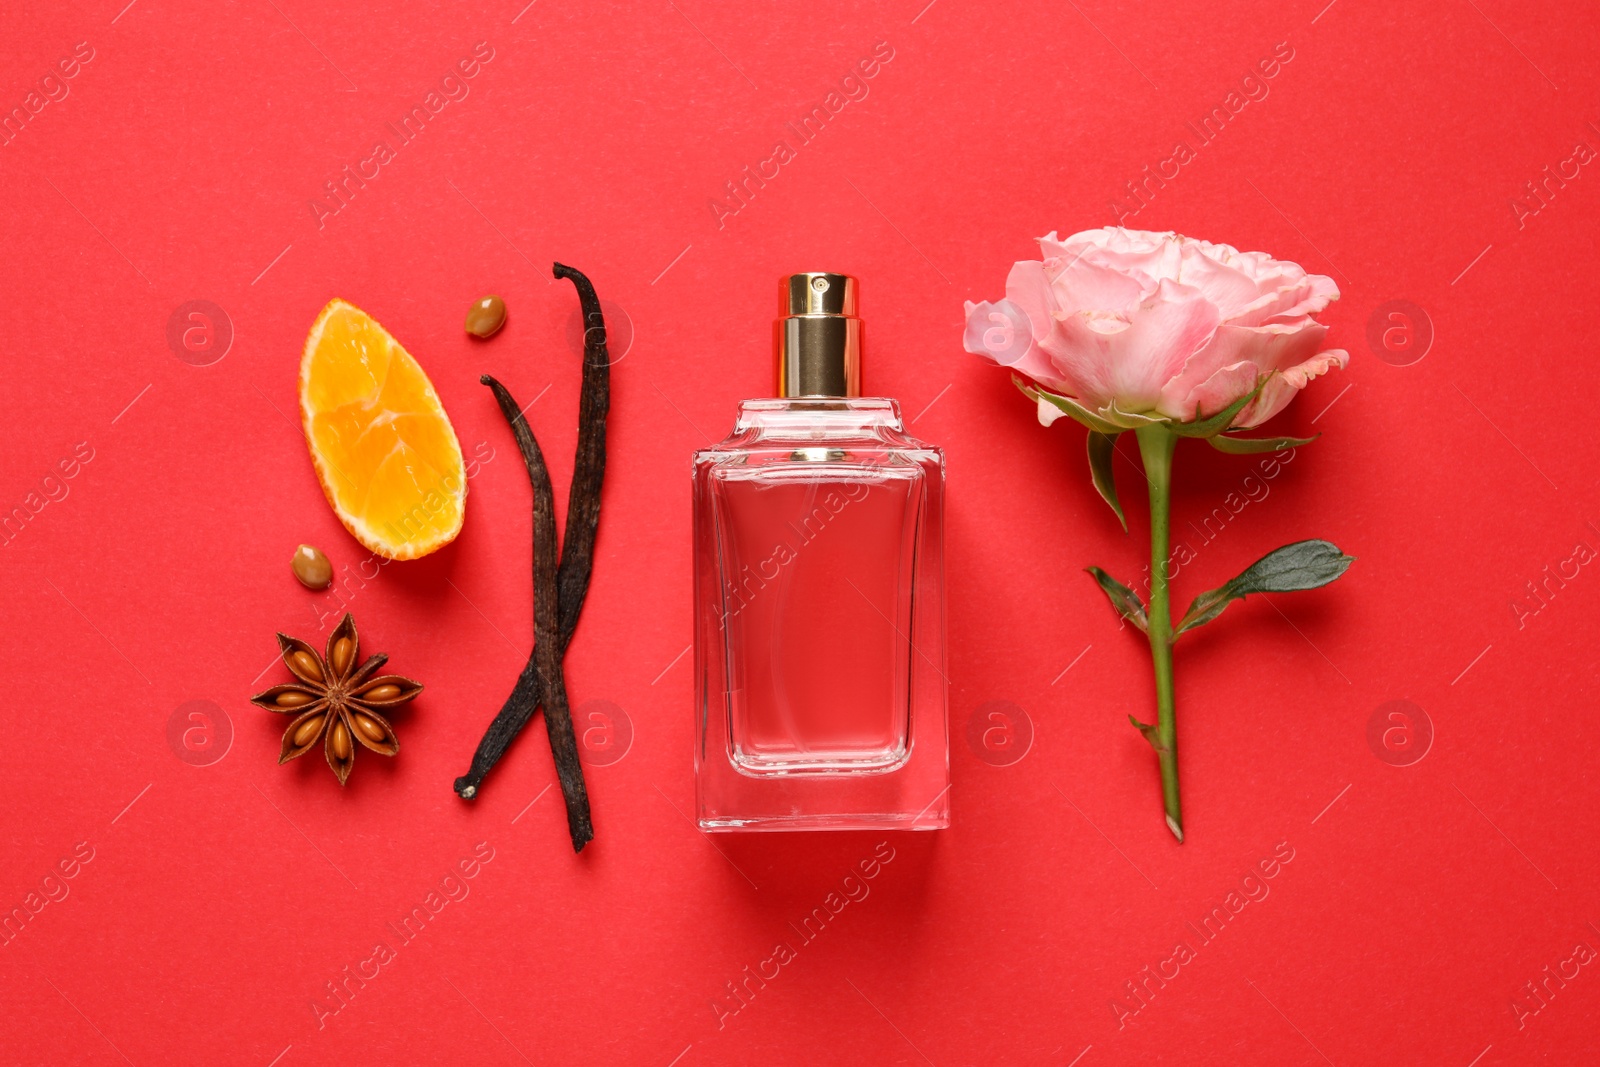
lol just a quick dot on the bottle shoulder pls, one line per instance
(717, 472)
(861, 426)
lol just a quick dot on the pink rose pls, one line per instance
(1139, 326)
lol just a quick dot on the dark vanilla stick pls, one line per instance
(589, 467)
(547, 650)
(577, 550)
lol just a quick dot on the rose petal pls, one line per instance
(1316, 292)
(1139, 360)
(1157, 256)
(1283, 387)
(1028, 289)
(1268, 348)
(1079, 285)
(1061, 366)
(1224, 386)
(1048, 412)
(1000, 331)
(1294, 300)
(1003, 332)
(1231, 290)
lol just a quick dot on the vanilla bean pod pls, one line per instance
(547, 649)
(577, 550)
(589, 468)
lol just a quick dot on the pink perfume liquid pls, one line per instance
(817, 556)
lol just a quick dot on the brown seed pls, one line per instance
(341, 740)
(311, 567)
(341, 656)
(307, 731)
(369, 726)
(485, 318)
(381, 692)
(293, 699)
(307, 663)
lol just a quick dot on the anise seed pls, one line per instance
(341, 740)
(369, 726)
(387, 691)
(308, 729)
(307, 663)
(293, 699)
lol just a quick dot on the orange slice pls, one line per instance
(383, 448)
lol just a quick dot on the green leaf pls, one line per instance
(1068, 406)
(1150, 733)
(1102, 447)
(1215, 424)
(1244, 446)
(1125, 600)
(1302, 565)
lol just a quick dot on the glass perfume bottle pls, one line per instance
(819, 597)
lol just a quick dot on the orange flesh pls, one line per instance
(382, 445)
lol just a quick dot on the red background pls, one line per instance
(1387, 153)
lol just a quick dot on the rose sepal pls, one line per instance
(1212, 425)
(1245, 446)
(1123, 600)
(1151, 734)
(1066, 406)
(1102, 447)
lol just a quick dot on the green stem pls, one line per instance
(1156, 445)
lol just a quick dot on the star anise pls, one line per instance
(335, 701)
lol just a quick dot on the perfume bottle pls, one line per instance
(819, 596)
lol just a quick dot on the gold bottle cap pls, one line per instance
(818, 339)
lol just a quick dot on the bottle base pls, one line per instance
(782, 817)
(791, 823)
